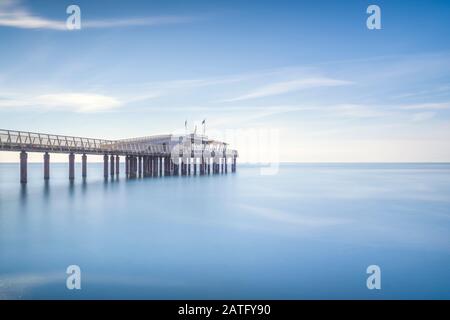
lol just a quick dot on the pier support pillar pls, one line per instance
(226, 164)
(144, 166)
(132, 167)
(127, 165)
(233, 165)
(140, 167)
(46, 166)
(165, 166)
(23, 167)
(176, 170)
(117, 165)
(195, 166)
(84, 166)
(160, 166)
(152, 166)
(209, 165)
(71, 166)
(112, 167)
(189, 161)
(105, 166)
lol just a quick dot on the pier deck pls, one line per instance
(146, 156)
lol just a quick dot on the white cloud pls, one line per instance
(147, 21)
(14, 16)
(423, 116)
(78, 102)
(427, 106)
(290, 86)
(74, 102)
(356, 111)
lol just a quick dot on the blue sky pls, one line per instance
(309, 70)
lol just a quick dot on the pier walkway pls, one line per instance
(150, 156)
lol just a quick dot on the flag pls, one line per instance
(203, 122)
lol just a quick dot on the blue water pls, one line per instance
(309, 231)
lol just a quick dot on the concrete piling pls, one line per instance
(144, 166)
(132, 167)
(140, 167)
(84, 166)
(147, 156)
(105, 166)
(127, 165)
(46, 166)
(112, 167)
(23, 167)
(71, 166)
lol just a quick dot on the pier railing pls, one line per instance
(11, 140)
(143, 158)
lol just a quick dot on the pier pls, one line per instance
(152, 156)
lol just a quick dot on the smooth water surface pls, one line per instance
(309, 231)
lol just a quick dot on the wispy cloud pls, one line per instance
(422, 116)
(427, 106)
(136, 22)
(13, 15)
(290, 86)
(72, 102)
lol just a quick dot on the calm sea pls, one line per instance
(309, 231)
